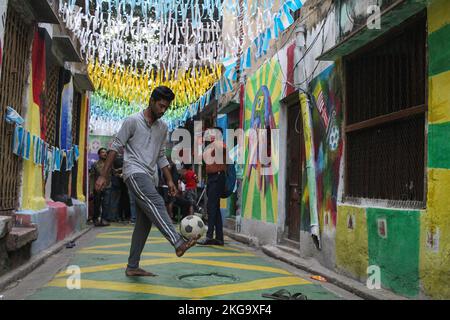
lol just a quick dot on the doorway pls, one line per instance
(294, 171)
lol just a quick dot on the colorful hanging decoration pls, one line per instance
(31, 147)
(135, 87)
(172, 35)
(178, 43)
(121, 92)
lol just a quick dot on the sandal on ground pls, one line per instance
(186, 246)
(283, 294)
(138, 273)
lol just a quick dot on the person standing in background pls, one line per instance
(215, 170)
(101, 197)
(191, 180)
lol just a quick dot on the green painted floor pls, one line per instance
(204, 272)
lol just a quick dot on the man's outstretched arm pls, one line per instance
(169, 181)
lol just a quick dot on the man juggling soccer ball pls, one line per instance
(143, 136)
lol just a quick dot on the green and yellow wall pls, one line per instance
(434, 255)
(412, 247)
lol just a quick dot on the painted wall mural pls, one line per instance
(262, 105)
(33, 186)
(65, 136)
(326, 117)
(81, 173)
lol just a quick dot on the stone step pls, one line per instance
(290, 243)
(289, 250)
(230, 223)
(19, 237)
(6, 225)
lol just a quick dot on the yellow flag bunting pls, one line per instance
(135, 86)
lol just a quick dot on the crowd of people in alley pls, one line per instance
(115, 203)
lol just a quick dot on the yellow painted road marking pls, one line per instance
(125, 244)
(117, 232)
(241, 266)
(152, 241)
(225, 248)
(115, 236)
(117, 266)
(220, 264)
(129, 231)
(103, 236)
(170, 255)
(195, 293)
(119, 227)
(108, 246)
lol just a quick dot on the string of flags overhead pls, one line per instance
(121, 92)
(174, 34)
(180, 116)
(268, 24)
(133, 86)
(31, 147)
(175, 37)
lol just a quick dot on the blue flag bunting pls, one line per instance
(17, 140)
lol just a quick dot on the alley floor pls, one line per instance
(231, 272)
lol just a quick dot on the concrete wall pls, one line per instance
(266, 233)
(54, 224)
(434, 256)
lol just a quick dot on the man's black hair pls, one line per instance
(100, 150)
(162, 93)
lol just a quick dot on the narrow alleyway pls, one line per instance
(232, 272)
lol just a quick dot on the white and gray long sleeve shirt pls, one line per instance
(144, 145)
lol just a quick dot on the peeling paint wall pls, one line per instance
(351, 242)
(356, 13)
(32, 188)
(435, 222)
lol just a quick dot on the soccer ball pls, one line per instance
(334, 138)
(192, 227)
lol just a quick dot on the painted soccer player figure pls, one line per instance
(143, 137)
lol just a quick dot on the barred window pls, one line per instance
(18, 36)
(385, 117)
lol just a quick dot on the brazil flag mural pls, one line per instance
(262, 105)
